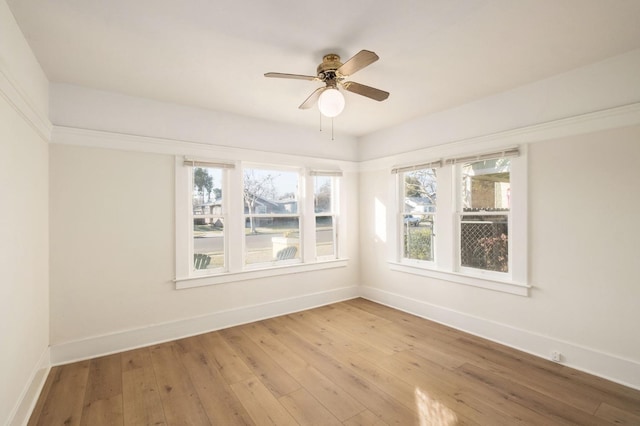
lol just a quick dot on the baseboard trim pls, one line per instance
(607, 366)
(92, 347)
(26, 403)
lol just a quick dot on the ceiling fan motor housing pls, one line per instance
(327, 69)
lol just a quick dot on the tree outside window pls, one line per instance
(207, 219)
(271, 216)
(419, 207)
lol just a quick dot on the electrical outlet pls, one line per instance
(556, 356)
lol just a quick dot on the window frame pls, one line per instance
(223, 214)
(401, 182)
(447, 265)
(235, 269)
(299, 213)
(333, 212)
(460, 213)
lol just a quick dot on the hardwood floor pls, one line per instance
(350, 363)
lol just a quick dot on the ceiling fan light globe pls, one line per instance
(331, 103)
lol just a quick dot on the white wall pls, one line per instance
(584, 241)
(583, 248)
(112, 264)
(581, 130)
(112, 260)
(24, 229)
(112, 220)
(599, 86)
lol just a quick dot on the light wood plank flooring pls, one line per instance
(350, 363)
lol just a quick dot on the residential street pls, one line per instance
(256, 241)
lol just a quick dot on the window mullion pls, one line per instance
(307, 216)
(340, 211)
(398, 214)
(518, 219)
(445, 223)
(235, 217)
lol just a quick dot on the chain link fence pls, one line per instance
(484, 242)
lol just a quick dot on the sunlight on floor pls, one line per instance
(432, 412)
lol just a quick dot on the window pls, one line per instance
(419, 208)
(477, 235)
(238, 221)
(208, 219)
(325, 208)
(272, 221)
(484, 217)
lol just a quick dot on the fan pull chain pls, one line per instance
(332, 128)
(332, 136)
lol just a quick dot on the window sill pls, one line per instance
(271, 271)
(504, 286)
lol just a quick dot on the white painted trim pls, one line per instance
(608, 366)
(266, 271)
(626, 115)
(459, 278)
(130, 339)
(29, 397)
(23, 106)
(127, 142)
(446, 265)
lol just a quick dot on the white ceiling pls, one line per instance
(434, 54)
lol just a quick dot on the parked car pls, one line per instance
(411, 220)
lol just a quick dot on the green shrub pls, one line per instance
(417, 244)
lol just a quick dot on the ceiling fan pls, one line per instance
(332, 72)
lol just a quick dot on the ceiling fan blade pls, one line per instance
(312, 99)
(369, 92)
(360, 60)
(294, 76)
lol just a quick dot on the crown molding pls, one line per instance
(18, 99)
(128, 142)
(621, 116)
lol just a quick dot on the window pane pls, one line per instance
(322, 194)
(486, 185)
(417, 236)
(207, 190)
(420, 188)
(208, 243)
(325, 235)
(420, 191)
(274, 239)
(208, 222)
(270, 192)
(484, 242)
